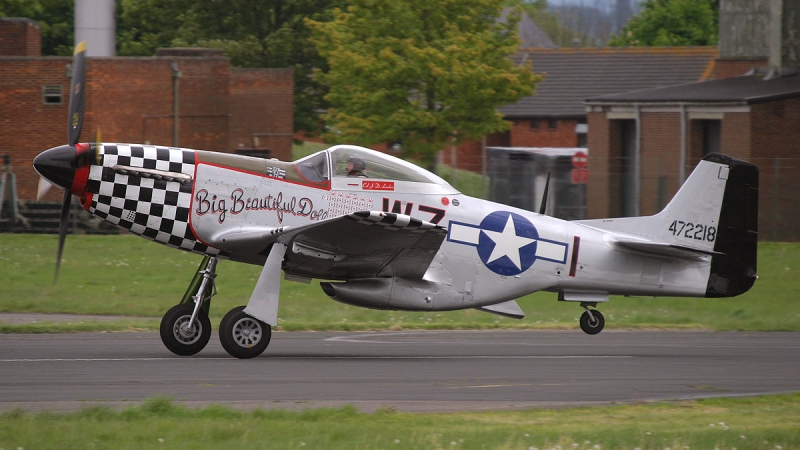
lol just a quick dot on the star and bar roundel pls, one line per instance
(507, 243)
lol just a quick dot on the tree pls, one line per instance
(424, 72)
(672, 22)
(253, 33)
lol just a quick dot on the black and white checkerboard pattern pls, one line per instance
(156, 209)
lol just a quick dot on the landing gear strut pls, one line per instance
(185, 328)
(592, 321)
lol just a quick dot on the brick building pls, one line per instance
(136, 100)
(643, 144)
(20, 37)
(748, 117)
(556, 115)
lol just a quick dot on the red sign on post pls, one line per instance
(580, 176)
(580, 160)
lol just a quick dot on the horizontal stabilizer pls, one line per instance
(660, 248)
(507, 309)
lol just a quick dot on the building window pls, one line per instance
(552, 124)
(581, 130)
(535, 124)
(711, 136)
(52, 95)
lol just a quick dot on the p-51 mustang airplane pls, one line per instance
(387, 234)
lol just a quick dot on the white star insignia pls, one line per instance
(507, 243)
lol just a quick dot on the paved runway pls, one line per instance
(410, 371)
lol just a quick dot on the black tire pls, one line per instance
(590, 326)
(185, 344)
(243, 336)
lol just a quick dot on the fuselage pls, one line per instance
(187, 199)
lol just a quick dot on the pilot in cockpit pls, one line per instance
(356, 167)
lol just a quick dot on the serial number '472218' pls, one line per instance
(694, 231)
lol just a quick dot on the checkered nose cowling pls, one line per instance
(148, 206)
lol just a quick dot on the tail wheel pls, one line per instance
(594, 323)
(243, 336)
(179, 338)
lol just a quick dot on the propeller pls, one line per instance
(74, 126)
(44, 186)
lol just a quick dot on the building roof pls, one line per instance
(573, 75)
(744, 89)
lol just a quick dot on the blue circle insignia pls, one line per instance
(507, 243)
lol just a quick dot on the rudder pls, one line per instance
(733, 267)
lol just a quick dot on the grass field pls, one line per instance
(769, 423)
(131, 276)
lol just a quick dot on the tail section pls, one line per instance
(714, 213)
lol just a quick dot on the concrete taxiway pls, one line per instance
(407, 370)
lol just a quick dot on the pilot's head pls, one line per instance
(355, 163)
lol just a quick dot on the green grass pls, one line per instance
(466, 181)
(305, 148)
(769, 422)
(130, 276)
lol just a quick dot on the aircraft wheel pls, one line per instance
(590, 326)
(177, 338)
(243, 336)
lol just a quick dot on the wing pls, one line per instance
(363, 245)
(360, 245)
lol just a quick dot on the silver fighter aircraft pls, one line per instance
(383, 233)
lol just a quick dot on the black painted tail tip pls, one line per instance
(328, 289)
(720, 286)
(734, 269)
(722, 158)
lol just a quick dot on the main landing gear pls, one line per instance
(592, 321)
(185, 328)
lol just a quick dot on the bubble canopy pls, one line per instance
(333, 163)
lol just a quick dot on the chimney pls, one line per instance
(95, 23)
(775, 34)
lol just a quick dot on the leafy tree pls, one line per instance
(253, 33)
(424, 72)
(672, 22)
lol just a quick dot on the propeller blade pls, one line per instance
(62, 230)
(76, 94)
(543, 207)
(44, 186)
